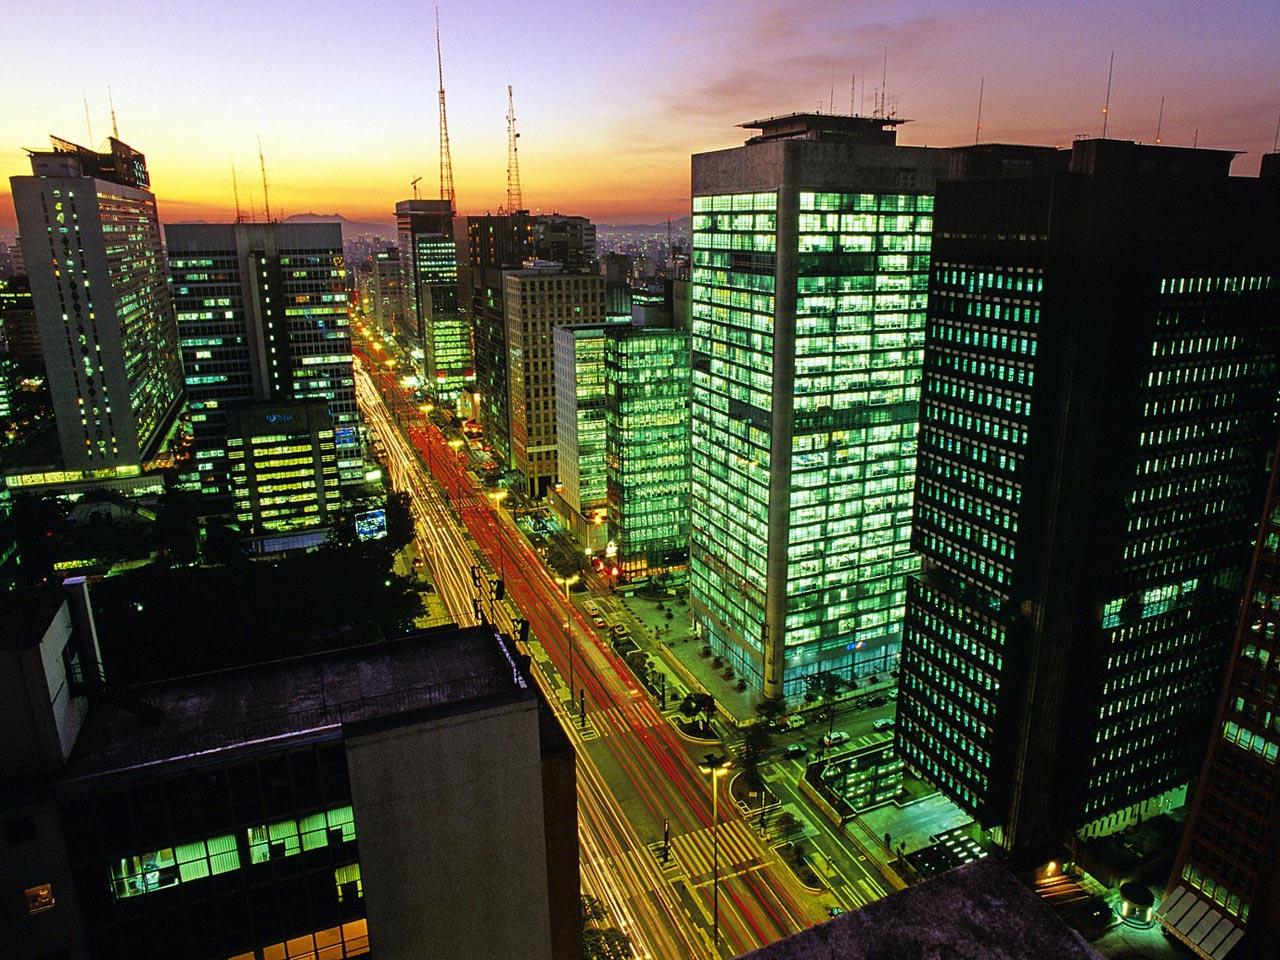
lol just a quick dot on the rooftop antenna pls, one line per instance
(853, 85)
(515, 197)
(115, 132)
(1160, 120)
(982, 86)
(832, 101)
(1106, 107)
(266, 198)
(235, 190)
(1275, 141)
(884, 79)
(446, 161)
(87, 122)
(413, 185)
(1195, 138)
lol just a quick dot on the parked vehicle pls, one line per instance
(591, 607)
(835, 739)
(793, 722)
(884, 723)
(621, 630)
(794, 750)
(599, 621)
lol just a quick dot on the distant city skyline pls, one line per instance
(610, 99)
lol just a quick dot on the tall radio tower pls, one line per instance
(446, 161)
(515, 201)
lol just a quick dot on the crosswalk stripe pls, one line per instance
(736, 842)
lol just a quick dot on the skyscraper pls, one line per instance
(429, 259)
(1099, 397)
(810, 271)
(91, 240)
(646, 449)
(1224, 884)
(579, 495)
(494, 244)
(538, 299)
(262, 313)
(388, 292)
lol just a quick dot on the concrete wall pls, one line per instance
(450, 826)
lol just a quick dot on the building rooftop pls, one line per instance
(445, 668)
(848, 128)
(976, 912)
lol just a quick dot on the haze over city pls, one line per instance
(611, 97)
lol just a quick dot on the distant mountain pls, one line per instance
(678, 225)
(349, 227)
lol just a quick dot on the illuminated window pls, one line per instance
(39, 898)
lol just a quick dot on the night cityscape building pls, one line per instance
(243, 814)
(540, 298)
(1099, 400)
(1224, 886)
(809, 279)
(578, 498)
(262, 316)
(646, 449)
(495, 244)
(18, 327)
(429, 259)
(92, 244)
(283, 468)
(388, 292)
(564, 239)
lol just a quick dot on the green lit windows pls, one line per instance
(285, 838)
(160, 869)
(346, 879)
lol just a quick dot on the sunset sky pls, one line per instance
(611, 97)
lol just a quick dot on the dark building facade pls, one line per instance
(1224, 885)
(494, 244)
(262, 316)
(1099, 396)
(242, 815)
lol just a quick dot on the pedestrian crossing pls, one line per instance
(625, 718)
(738, 846)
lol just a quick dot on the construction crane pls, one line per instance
(413, 185)
(515, 200)
(446, 161)
(262, 164)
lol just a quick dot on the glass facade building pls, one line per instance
(1099, 396)
(579, 401)
(809, 279)
(262, 316)
(646, 449)
(91, 239)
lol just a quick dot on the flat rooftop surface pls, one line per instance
(976, 912)
(446, 667)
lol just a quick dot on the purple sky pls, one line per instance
(611, 97)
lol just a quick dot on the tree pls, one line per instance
(769, 710)
(706, 705)
(607, 943)
(823, 685)
(593, 910)
(755, 742)
(786, 823)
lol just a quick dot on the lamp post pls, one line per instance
(456, 444)
(496, 497)
(716, 766)
(568, 629)
(425, 409)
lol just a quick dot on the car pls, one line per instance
(835, 739)
(793, 722)
(834, 911)
(591, 607)
(621, 630)
(884, 723)
(876, 701)
(794, 750)
(599, 621)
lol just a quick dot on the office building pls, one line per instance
(283, 468)
(809, 279)
(262, 314)
(495, 244)
(565, 239)
(429, 259)
(1224, 885)
(578, 498)
(400, 800)
(651, 304)
(91, 240)
(539, 298)
(18, 327)
(646, 457)
(1098, 404)
(388, 291)
(17, 261)
(9, 557)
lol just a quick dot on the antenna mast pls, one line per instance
(413, 185)
(115, 133)
(446, 161)
(982, 86)
(1106, 108)
(853, 78)
(262, 163)
(884, 80)
(515, 198)
(87, 122)
(1275, 142)
(235, 190)
(1160, 120)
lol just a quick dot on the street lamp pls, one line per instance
(716, 766)
(496, 497)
